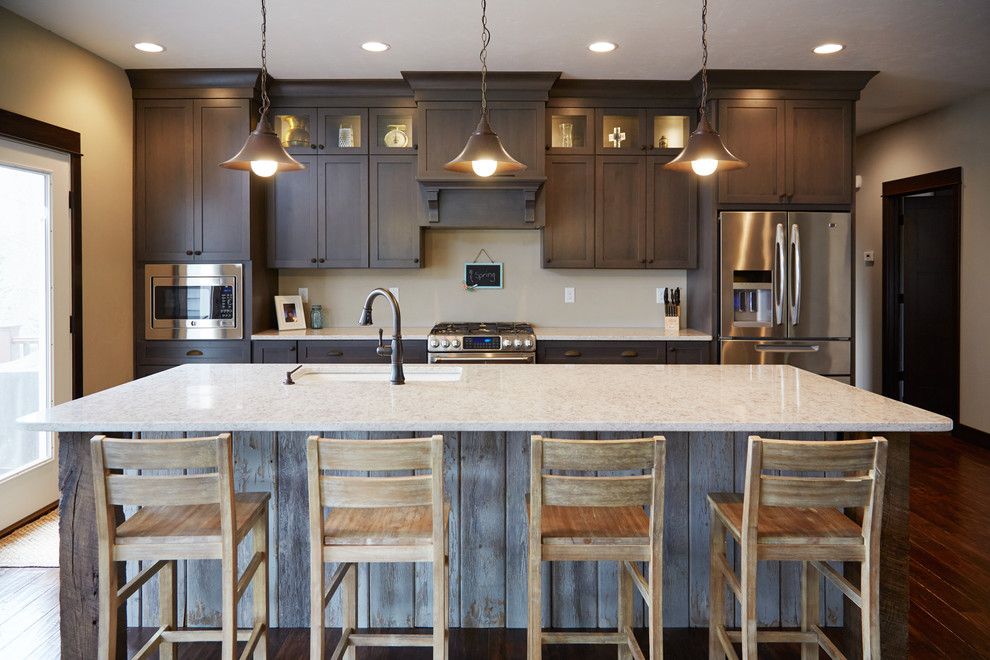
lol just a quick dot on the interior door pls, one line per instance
(819, 275)
(35, 304)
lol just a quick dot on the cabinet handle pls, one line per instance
(549, 260)
(546, 147)
(322, 147)
(322, 261)
(189, 253)
(313, 260)
(415, 147)
(194, 352)
(334, 353)
(650, 261)
(415, 261)
(629, 354)
(572, 353)
(312, 146)
(292, 349)
(198, 252)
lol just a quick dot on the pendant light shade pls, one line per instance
(484, 154)
(263, 152)
(704, 152)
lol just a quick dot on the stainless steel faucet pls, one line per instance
(395, 351)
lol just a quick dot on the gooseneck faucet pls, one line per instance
(395, 351)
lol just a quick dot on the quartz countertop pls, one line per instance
(542, 334)
(535, 398)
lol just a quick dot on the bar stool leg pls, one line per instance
(316, 632)
(259, 543)
(348, 606)
(716, 590)
(228, 614)
(748, 605)
(869, 588)
(167, 607)
(656, 606)
(439, 605)
(810, 608)
(534, 636)
(107, 616)
(625, 598)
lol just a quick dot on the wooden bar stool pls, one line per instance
(182, 516)
(800, 518)
(375, 519)
(598, 518)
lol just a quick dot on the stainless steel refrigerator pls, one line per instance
(786, 290)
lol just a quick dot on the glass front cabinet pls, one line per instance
(393, 130)
(571, 131)
(296, 129)
(628, 131)
(343, 130)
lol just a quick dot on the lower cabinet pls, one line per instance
(623, 352)
(154, 356)
(331, 351)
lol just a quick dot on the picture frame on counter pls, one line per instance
(289, 313)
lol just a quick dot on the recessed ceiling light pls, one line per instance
(828, 49)
(375, 46)
(148, 47)
(602, 47)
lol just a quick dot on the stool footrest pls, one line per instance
(209, 635)
(391, 639)
(561, 637)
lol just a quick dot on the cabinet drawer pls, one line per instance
(269, 351)
(601, 352)
(356, 351)
(192, 352)
(689, 352)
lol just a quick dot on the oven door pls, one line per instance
(482, 358)
(193, 301)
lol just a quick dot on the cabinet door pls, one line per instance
(689, 352)
(601, 352)
(753, 130)
(396, 213)
(343, 204)
(164, 188)
(569, 193)
(392, 131)
(293, 217)
(570, 131)
(621, 131)
(819, 152)
(223, 211)
(620, 212)
(273, 351)
(445, 129)
(520, 126)
(671, 216)
(296, 129)
(343, 130)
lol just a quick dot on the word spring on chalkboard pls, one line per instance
(483, 275)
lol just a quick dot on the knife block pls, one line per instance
(672, 320)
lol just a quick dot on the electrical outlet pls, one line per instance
(568, 294)
(304, 294)
(869, 257)
(395, 291)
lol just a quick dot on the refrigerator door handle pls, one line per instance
(795, 275)
(780, 264)
(787, 348)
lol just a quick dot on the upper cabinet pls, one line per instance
(321, 131)
(799, 152)
(396, 213)
(186, 207)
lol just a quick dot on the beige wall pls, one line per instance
(436, 293)
(50, 79)
(956, 136)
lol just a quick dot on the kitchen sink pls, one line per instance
(310, 375)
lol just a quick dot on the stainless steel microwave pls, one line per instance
(194, 301)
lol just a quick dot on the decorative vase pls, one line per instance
(316, 317)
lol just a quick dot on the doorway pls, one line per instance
(921, 238)
(36, 365)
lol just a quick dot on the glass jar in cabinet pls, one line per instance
(571, 131)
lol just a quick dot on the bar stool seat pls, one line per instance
(594, 525)
(401, 525)
(196, 523)
(788, 525)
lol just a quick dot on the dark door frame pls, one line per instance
(31, 131)
(892, 192)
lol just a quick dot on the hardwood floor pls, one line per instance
(950, 583)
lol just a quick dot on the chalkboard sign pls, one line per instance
(483, 275)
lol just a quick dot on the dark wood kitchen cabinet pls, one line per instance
(186, 207)
(318, 217)
(671, 216)
(799, 152)
(274, 351)
(689, 352)
(569, 229)
(397, 211)
(601, 352)
(332, 351)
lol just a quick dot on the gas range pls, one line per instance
(493, 342)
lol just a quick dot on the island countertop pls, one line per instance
(641, 398)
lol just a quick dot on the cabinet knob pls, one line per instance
(629, 354)
(415, 147)
(292, 349)
(322, 147)
(549, 260)
(415, 261)
(650, 261)
(546, 147)
(312, 146)
(322, 261)
(572, 353)
(198, 252)
(189, 253)
(313, 260)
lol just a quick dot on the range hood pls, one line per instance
(448, 110)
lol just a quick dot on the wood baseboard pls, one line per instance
(969, 434)
(28, 519)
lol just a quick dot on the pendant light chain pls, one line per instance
(486, 37)
(265, 103)
(704, 58)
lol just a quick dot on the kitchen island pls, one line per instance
(486, 413)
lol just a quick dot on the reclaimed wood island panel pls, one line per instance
(486, 414)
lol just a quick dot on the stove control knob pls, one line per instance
(444, 343)
(528, 343)
(434, 343)
(506, 344)
(517, 343)
(454, 343)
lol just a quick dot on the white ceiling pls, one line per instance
(929, 52)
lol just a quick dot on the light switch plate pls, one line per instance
(304, 294)
(568, 294)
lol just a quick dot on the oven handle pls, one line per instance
(524, 359)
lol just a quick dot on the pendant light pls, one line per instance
(263, 153)
(704, 152)
(484, 154)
